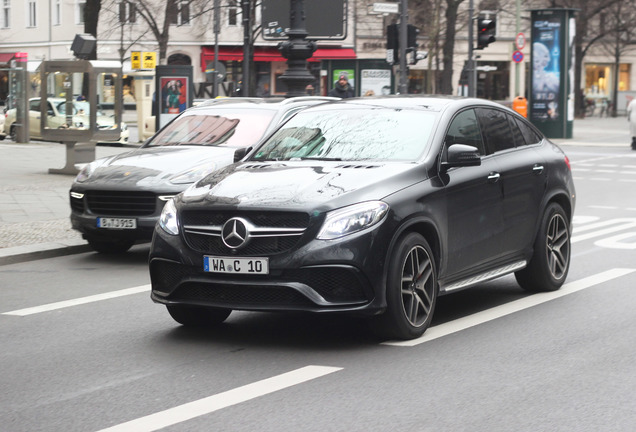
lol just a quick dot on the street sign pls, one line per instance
(135, 60)
(520, 41)
(143, 60)
(386, 8)
(149, 60)
(517, 56)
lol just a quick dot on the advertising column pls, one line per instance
(173, 92)
(552, 77)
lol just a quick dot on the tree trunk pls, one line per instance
(446, 84)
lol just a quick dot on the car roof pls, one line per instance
(429, 102)
(274, 104)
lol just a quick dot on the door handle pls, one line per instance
(493, 177)
(537, 169)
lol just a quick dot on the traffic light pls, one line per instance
(393, 41)
(486, 29)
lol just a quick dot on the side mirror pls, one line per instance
(461, 155)
(240, 153)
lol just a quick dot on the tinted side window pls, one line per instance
(464, 129)
(516, 132)
(34, 105)
(495, 129)
(529, 134)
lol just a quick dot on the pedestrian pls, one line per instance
(342, 88)
(631, 117)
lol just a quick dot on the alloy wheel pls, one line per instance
(418, 285)
(558, 246)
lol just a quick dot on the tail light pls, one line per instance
(567, 162)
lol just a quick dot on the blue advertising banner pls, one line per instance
(546, 68)
(551, 93)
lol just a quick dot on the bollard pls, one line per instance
(520, 105)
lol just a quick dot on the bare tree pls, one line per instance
(160, 15)
(619, 20)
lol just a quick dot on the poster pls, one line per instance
(174, 94)
(546, 68)
(375, 82)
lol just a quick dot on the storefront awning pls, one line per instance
(271, 54)
(6, 57)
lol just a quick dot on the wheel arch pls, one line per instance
(427, 229)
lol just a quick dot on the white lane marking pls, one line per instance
(618, 242)
(604, 207)
(619, 224)
(582, 220)
(219, 401)
(512, 307)
(78, 301)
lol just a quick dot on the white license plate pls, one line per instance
(116, 223)
(236, 265)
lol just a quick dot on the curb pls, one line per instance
(18, 254)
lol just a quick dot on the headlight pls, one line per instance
(193, 174)
(168, 220)
(352, 219)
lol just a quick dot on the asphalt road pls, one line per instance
(84, 348)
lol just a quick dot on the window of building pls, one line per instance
(232, 13)
(57, 12)
(127, 12)
(32, 13)
(79, 11)
(6, 14)
(182, 16)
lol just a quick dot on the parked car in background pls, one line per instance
(57, 119)
(370, 206)
(116, 201)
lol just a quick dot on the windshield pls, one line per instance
(232, 128)
(351, 135)
(79, 108)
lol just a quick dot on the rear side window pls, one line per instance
(464, 129)
(495, 129)
(529, 134)
(516, 132)
(34, 105)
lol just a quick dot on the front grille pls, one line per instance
(253, 296)
(77, 205)
(270, 219)
(116, 203)
(334, 284)
(211, 243)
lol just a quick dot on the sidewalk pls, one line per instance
(34, 205)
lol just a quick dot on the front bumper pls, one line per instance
(344, 275)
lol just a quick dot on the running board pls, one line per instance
(493, 274)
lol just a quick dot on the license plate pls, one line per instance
(116, 223)
(236, 265)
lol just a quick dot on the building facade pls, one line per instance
(44, 30)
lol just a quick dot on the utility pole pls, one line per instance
(403, 29)
(247, 36)
(297, 50)
(517, 64)
(472, 70)
(217, 22)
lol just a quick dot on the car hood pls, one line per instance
(152, 166)
(303, 185)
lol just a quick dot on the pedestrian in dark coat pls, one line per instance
(342, 88)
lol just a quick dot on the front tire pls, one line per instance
(411, 291)
(550, 261)
(192, 316)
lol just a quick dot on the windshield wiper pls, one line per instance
(321, 158)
